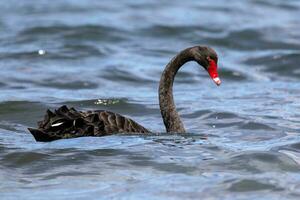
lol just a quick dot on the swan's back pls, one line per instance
(70, 123)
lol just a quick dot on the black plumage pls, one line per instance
(70, 123)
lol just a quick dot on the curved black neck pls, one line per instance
(169, 114)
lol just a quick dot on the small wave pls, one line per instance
(67, 52)
(115, 74)
(79, 51)
(249, 39)
(21, 112)
(19, 159)
(73, 33)
(176, 31)
(248, 185)
(282, 65)
(233, 75)
(256, 126)
(2, 84)
(69, 85)
(260, 162)
(209, 114)
(288, 5)
(122, 106)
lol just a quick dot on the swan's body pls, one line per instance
(70, 123)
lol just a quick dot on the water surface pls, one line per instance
(243, 137)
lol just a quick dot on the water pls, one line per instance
(244, 136)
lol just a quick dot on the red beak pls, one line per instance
(213, 72)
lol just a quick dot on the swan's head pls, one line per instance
(208, 58)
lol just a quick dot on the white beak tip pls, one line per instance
(217, 81)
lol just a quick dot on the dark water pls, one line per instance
(244, 137)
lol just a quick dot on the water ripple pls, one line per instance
(243, 137)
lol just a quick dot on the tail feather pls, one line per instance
(70, 123)
(42, 136)
(63, 123)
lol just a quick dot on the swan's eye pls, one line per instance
(209, 59)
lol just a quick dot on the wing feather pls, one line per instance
(70, 123)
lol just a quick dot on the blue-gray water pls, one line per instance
(244, 136)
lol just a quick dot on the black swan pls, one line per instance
(70, 123)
